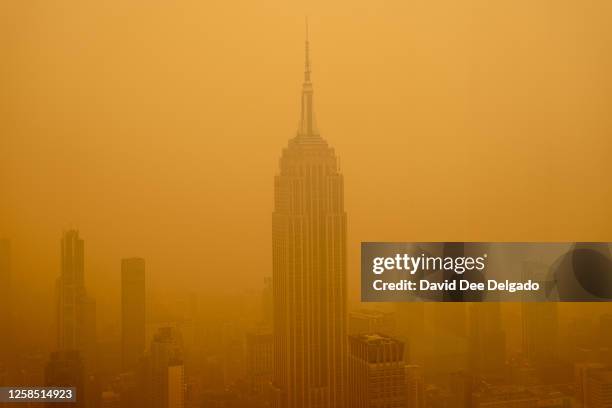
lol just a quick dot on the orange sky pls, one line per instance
(155, 127)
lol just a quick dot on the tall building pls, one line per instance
(450, 319)
(540, 321)
(487, 340)
(167, 369)
(376, 372)
(132, 311)
(176, 386)
(450, 341)
(410, 328)
(267, 302)
(415, 386)
(309, 269)
(259, 359)
(232, 353)
(76, 311)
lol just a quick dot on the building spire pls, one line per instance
(307, 126)
(307, 57)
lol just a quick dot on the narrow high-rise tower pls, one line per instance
(76, 311)
(132, 311)
(487, 340)
(377, 371)
(309, 269)
(167, 369)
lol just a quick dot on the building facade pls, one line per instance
(76, 310)
(259, 358)
(377, 372)
(132, 311)
(309, 269)
(167, 369)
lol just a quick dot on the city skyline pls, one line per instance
(198, 267)
(388, 88)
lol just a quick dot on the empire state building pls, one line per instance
(309, 269)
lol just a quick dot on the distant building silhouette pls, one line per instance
(167, 369)
(259, 358)
(540, 322)
(232, 353)
(267, 302)
(65, 369)
(450, 336)
(487, 340)
(410, 328)
(415, 386)
(377, 372)
(76, 311)
(309, 269)
(176, 386)
(132, 311)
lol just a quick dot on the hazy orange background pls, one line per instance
(155, 128)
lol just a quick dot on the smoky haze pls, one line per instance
(155, 129)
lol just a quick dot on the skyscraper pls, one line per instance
(415, 386)
(377, 372)
(76, 311)
(309, 269)
(176, 386)
(167, 369)
(450, 340)
(267, 303)
(410, 328)
(540, 326)
(487, 340)
(132, 311)
(540, 321)
(259, 360)
(71, 289)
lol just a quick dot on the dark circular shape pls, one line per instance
(593, 271)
